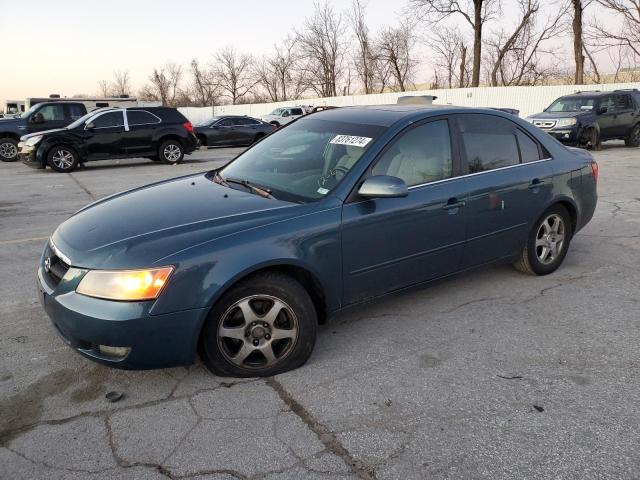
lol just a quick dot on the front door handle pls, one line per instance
(453, 204)
(535, 184)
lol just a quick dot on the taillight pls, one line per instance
(595, 169)
(188, 127)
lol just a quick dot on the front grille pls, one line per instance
(544, 123)
(54, 267)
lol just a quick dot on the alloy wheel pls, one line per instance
(257, 331)
(8, 150)
(550, 239)
(63, 159)
(172, 152)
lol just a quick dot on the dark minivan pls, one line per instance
(157, 133)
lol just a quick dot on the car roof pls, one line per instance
(387, 115)
(598, 93)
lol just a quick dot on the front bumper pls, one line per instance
(564, 135)
(85, 323)
(30, 156)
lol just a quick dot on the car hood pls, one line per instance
(143, 227)
(4, 122)
(558, 114)
(44, 132)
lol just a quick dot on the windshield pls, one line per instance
(30, 111)
(572, 104)
(277, 111)
(306, 160)
(206, 123)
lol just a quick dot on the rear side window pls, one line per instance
(623, 102)
(141, 117)
(489, 142)
(75, 111)
(52, 112)
(296, 111)
(247, 121)
(110, 119)
(421, 155)
(528, 148)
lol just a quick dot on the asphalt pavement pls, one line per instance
(493, 375)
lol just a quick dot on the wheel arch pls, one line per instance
(570, 205)
(203, 139)
(11, 135)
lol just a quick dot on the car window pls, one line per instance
(227, 122)
(141, 117)
(110, 119)
(75, 111)
(247, 121)
(296, 111)
(623, 102)
(52, 112)
(305, 161)
(528, 148)
(489, 142)
(608, 102)
(421, 155)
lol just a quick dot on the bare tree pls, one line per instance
(103, 88)
(395, 48)
(515, 55)
(164, 85)
(204, 87)
(624, 31)
(233, 73)
(474, 12)
(365, 56)
(577, 7)
(278, 74)
(450, 57)
(121, 84)
(322, 49)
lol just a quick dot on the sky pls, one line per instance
(67, 46)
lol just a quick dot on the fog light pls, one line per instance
(118, 352)
(566, 135)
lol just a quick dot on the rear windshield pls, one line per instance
(306, 160)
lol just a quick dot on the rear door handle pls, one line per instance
(453, 203)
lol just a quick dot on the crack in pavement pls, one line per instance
(85, 189)
(328, 439)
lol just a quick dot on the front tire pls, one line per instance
(171, 151)
(633, 140)
(8, 149)
(547, 244)
(263, 326)
(63, 159)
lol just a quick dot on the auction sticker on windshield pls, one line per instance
(350, 140)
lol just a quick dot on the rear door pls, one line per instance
(391, 243)
(508, 180)
(105, 138)
(624, 112)
(138, 139)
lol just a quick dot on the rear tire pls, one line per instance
(633, 140)
(547, 244)
(63, 159)
(171, 151)
(8, 149)
(263, 326)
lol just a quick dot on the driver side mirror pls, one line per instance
(383, 186)
(37, 118)
(602, 110)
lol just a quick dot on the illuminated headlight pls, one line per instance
(125, 285)
(565, 122)
(33, 141)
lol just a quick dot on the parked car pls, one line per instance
(40, 117)
(157, 133)
(282, 116)
(342, 206)
(231, 130)
(585, 119)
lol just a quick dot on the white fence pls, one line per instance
(528, 100)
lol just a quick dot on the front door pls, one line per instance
(508, 179)
(607, 120)
(229, 132)
(104, 135)
(391, 243)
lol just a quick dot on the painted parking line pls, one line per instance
(23, 240)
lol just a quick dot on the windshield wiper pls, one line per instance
(261, 191)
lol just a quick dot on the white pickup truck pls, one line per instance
(283, 115)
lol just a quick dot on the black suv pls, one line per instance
(588, 118)
(42, 116)
(157, 133)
